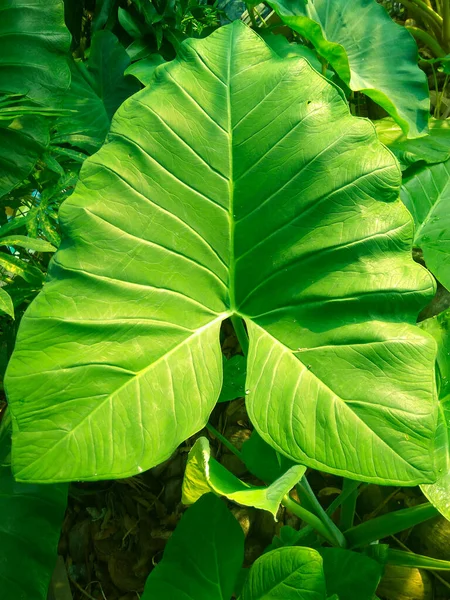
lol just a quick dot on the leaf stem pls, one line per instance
(381, 527)
(428, 40)
(310, 518)
(241, 333)
(307, 495)
(446, 24)
(348, 506)
(423, 6)
(224, 440)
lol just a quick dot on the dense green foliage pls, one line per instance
(194, 168)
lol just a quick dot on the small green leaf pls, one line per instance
(234, 375)
(262, 460)
(204, 474)
(289, 573)
(350, 575)
(432, 148)
(6, 303)
(30, 243)
(426, 194)
(203, 557)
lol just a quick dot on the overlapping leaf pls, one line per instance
(237, 183)
(368, 51)
(426, 194)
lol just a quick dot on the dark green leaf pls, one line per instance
(234, 374)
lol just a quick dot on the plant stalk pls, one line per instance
(348, 506)
(224, 440)
(446, 24)
(310, 518)
(428, 40)
(427, 10)
(309, 498)
(241, 333)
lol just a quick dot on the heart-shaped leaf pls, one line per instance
(426, 194)
(290, 573)
(368, 51)
(237, 184)
(202, 559)
(204, 474)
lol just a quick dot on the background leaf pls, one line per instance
(368, 51)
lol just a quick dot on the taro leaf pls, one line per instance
(350, 575)
(202, 559)
(432, 148)
(426, 194)
(143, 69)
(30, 522)
(283, 48)
(237, 184)
(34, 42)
(368, 51)
(98, 88)
(262, 460)
(204, 474)
(290, 573)
(439, 327)
(234, 375)
(6, 303)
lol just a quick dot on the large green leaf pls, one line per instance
(426, 194)
(439, 327)
(34, 42)
(289, 573)
(238, 183)
(203, 557)
(432, 148)
(30, 523)
(368, 51)
(204, 474)
(98, 88)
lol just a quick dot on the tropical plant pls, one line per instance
(201, 181)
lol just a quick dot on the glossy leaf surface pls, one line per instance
(30, 522)
(203, 557)
(98, 88)
(290, 573)
(426, 194)
(225, 190)
(204, 474)
(368, 51)
(234, 375)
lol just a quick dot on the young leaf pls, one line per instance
(350, 575)
(204, 474)
(234, 375)
(237, 184)
(143, 69)
(368, 51)
(426, 194)
(98, 88)
(203, 557)
(30, 523)
(289, 573)
(432, 148)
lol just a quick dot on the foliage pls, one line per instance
(226, 192)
